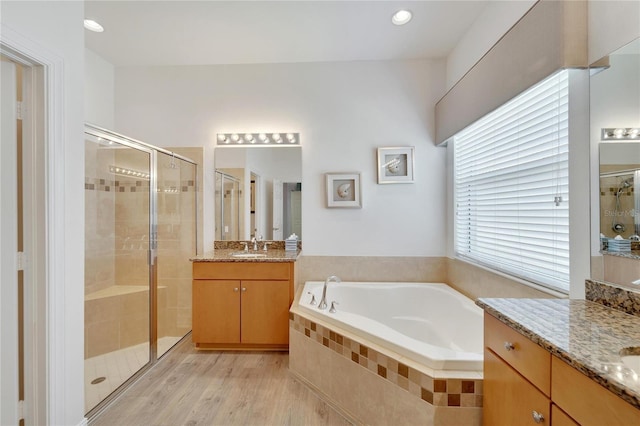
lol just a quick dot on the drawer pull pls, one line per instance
(537, 417)
(235, 289)
(244, 289)
(509, 346)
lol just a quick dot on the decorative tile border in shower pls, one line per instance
(106, 185)
(612, 296)
(438, 392)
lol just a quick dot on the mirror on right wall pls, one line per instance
(615, 128)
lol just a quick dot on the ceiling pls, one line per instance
(151, 33)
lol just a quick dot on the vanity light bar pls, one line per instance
(117, 170)
(621, 134)
(259, 139)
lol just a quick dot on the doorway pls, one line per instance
(22, 241)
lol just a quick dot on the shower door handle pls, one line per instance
(151, 257)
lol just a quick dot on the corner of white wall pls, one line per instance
(99, 90)
(579, 170)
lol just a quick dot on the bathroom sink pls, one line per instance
(631, 358)
(248, 255)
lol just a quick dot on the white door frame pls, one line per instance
(9, 413)
(44, 198)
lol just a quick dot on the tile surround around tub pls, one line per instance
(419, 387)
(371, 269)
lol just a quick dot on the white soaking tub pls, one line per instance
(429, 323)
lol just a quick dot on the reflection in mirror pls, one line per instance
(258, 192)
(615, 103)
(619, 191)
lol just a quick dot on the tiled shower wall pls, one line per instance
(624, 214)
(99, 220)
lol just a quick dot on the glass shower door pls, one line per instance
(176, 236)
(117, 290)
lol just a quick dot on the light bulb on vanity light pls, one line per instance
(277, 138)
(291, 138)
(249, 138)
(263, 138)
(222, 138)
(618, 133)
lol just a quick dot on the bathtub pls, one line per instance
(428, 323)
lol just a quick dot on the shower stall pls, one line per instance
(140, 231)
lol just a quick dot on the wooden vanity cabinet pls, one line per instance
(242, 305)
(517, 379)
(523, 381)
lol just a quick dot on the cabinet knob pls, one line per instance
(235, 289)
(537, 417)
(244, 289)
(509, 346)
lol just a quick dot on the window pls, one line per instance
(511, 186)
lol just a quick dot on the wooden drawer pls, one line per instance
(242, 270)
(560, 418)
(529, 359)
(508, 398)
(586, 401)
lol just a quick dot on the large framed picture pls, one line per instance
(343, 190)
(395, 164)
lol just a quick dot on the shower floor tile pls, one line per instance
(116, 367)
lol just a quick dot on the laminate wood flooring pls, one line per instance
(190, 387)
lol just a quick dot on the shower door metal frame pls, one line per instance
(152, 254)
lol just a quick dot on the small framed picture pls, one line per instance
(343, 190)
(395, 164)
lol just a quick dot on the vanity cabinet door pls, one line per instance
(216, 311)
(509, 399)
(560, 418)
(265, 312)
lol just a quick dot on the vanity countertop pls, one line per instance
(586, 335)
(224, 255)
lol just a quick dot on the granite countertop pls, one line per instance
(586, 335)
(224, 255)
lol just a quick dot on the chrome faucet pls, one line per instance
(255, 240)
(323, 301)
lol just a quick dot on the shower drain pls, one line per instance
(98, 380)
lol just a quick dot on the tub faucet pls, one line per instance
(323, 301)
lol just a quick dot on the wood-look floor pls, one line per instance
(190, 387)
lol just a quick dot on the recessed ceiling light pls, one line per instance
(401, 17)
(92, 25)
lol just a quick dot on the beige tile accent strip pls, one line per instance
(440, 392)
(106, 185)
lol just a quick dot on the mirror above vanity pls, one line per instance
(615, 130)
(258, 191)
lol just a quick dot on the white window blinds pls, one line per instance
(511, 186)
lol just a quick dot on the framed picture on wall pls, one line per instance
(343, 190)
(395, 164)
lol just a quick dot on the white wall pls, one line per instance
(99, 90)
(343, 111)
(612, 24)
(496, 19)
(56, 27)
